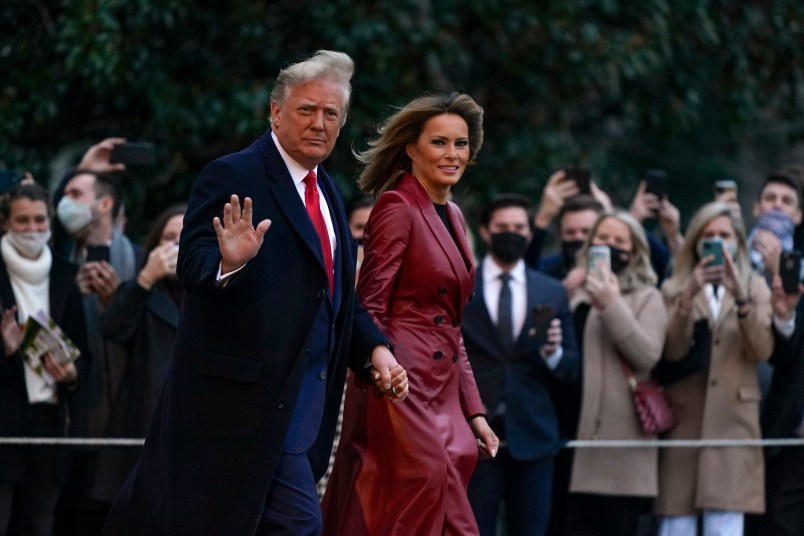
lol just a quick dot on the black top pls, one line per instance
(442, 213)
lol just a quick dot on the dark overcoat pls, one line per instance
(240, 355)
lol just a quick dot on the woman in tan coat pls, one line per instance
(722, 400)
(620, 318)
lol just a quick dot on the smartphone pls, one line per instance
(656, 183)
(97, 253)
(596, 256)
(790, 271)
(713, 246)
(542, 316)
(140, 153)
(581, 177)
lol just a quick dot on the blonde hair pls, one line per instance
(639, 272)
(386, 159)
(323, 65)
(687, 257)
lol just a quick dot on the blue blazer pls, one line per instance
(522, 378)
(240, 356)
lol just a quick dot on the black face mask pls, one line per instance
(569, 249)
(508, 247)
(619, 259)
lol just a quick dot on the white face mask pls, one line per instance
(29, 245)
(73, 215)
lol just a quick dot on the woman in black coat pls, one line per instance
(34, 399)
(143, 315)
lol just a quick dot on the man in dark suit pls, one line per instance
(269, 323)
(520, 339)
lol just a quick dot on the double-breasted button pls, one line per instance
(281, 405)
(438, 355)
(717, 341)
(438, 319)
(323, 375)
(321, 294)
(455, 323)
(713, 383)
(454, 358)
(442, 291)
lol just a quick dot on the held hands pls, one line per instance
(554, 339)
(98, 277)
(603, 285)
(161, 263)
(12, 331)
(97, 157)
(487, 441)
(389, 377)
(238, 240)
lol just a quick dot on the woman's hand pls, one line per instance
(161, 263)
(487, 441)
(238, 240)
(603, 285)
(66, 373)
(731, 278)
(12, 331)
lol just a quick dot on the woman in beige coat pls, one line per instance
(621, 318)
(721, 401)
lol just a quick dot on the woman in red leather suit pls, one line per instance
(403, 468)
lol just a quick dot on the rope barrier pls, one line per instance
(578, 444)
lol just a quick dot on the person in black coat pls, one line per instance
(35, 403)
(143, 315)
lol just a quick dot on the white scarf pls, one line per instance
(30, 281)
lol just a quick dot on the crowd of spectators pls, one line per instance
(720, 330)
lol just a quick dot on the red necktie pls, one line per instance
(314, 210)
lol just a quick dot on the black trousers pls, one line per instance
(785, 493)
(27, 507)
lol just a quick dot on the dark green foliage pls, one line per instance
(690, 86)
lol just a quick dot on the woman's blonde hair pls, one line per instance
(639, 272)
(386, 159)
(688, 257)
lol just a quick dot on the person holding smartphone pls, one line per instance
(620, 318)
(713, 281)
(520, 339)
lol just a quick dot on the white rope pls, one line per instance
(683, 443)
(73, 441)
(579, 444)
